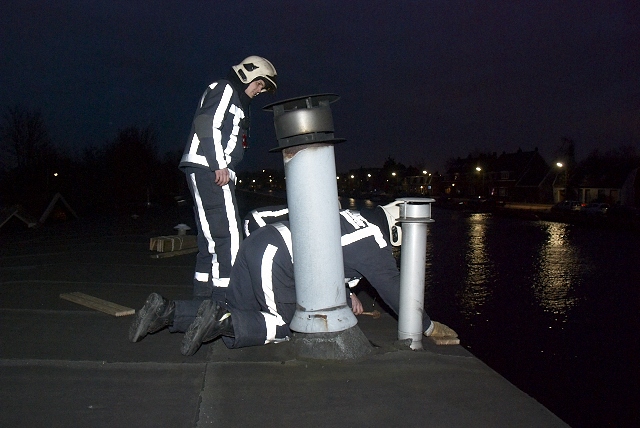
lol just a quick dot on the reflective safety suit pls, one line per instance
(215, 143)
(261, 295)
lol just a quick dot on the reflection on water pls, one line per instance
(480, 268)
(559, 271)
(356, 204)
(554, 262)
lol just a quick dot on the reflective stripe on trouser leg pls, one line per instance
(206, 260)
(218, 233)
(250, 329)
(272, 318)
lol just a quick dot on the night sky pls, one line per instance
(420, 81)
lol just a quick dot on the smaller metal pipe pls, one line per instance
(415, 214)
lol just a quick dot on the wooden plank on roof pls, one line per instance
(174, 253)
(97, 304)
(173, 243)
(445, 340)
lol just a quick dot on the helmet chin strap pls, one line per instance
(245, 100)
(240, 88)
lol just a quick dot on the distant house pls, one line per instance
(608, 183)
(519, 177)
(468, 177)
(420, 185)
(510, 177)
(630, 192)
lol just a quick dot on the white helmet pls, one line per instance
(392, 212)
(256, 67)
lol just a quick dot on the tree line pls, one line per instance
(127, 173)
(119, 176)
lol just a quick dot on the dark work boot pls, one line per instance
(212, 321)
(156, 314)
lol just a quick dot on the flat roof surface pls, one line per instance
(63, 364)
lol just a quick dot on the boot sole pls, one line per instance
(193, 338)
(144, 318)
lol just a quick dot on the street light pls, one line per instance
(479, 169)
(560, 165)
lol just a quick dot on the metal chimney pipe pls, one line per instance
(304, 128)
(415, 214)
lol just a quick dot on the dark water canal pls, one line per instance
(553, 307)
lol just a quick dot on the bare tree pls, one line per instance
(24, 138)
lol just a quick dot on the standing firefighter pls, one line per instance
(215, 147)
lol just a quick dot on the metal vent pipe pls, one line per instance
(304, 128)
(415, 214)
